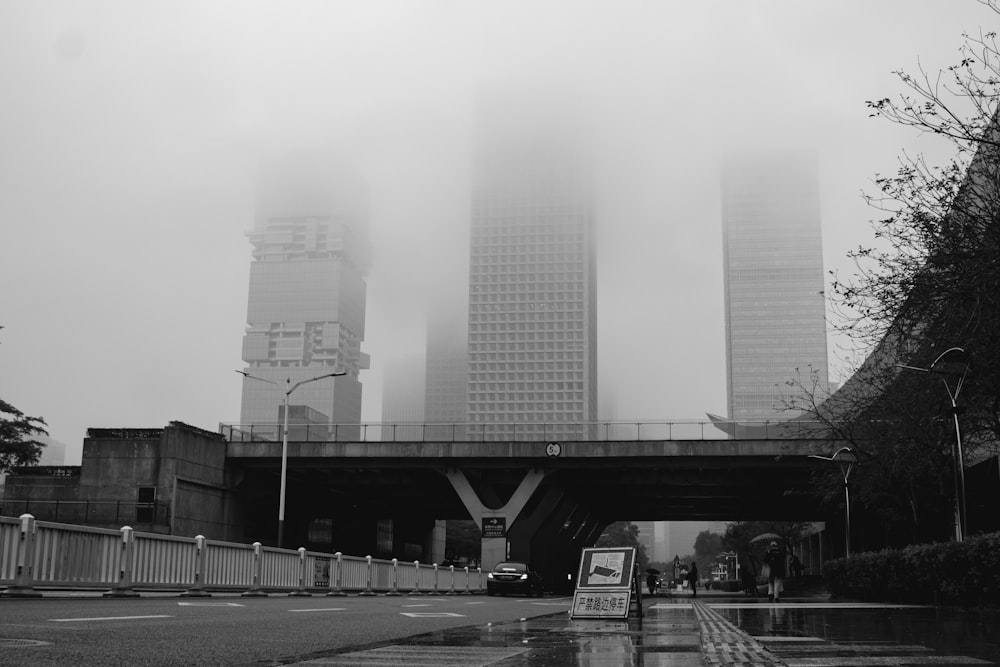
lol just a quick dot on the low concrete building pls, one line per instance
(170, 480)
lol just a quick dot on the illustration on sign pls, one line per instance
(495, 526)
(606, 567)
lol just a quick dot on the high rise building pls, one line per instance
(532, 326)
(447, 364)
(773, 258)
(403, 399)
(306, 305)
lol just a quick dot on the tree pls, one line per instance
(463, 541)
(625, 534)
(930, 282)
(707, 547)
(933, 282)
(17, 444)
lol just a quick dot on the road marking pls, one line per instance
(407, 606)
(106, 618)
(209, 604)
(477, 602)
(323, 609)
(564, 603)
(467, 656)
(433, 614)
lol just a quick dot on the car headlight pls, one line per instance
(524, 576)
(489, 575)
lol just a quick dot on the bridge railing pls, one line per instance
(37, 555)
(604, 431)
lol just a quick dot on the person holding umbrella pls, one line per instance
(652, 581)
(775, 560)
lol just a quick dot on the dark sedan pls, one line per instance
(513, 577)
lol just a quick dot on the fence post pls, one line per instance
(301, 591)
(24, 579)
(368, 586)
(468, 582)
(338, 591)
(480, 568)
(416, 585)
(200, 559)
(395, 579)
(256, 589)
(123, 587)
(451, 569)
(435, 591)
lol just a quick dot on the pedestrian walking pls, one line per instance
(796, 566)
(692, 577)
(748, 577)
(652, 583)
(775, 560)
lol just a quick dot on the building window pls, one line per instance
(145, 505)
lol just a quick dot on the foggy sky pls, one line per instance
(129, 133)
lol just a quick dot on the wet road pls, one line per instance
(713, 630)
(477, 631)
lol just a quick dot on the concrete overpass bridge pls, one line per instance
(537, 499)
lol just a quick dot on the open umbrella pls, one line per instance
(652, 570)
(766, 536)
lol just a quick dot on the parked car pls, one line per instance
(513, 577)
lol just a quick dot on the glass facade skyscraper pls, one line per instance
(532, 288)
(773, 262)
(306, 304)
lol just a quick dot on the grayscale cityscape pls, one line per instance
(488, 333)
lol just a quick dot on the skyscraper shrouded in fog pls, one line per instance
(532, 331)
(773, 258)
(306, 305)
(447, 364)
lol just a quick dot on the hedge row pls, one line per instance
(964, 573)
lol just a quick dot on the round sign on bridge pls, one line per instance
(553, 449)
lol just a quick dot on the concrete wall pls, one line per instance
(116, 462)
(185, 465)
(44, 485)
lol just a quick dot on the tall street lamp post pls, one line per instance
(957, 454)
(289, 388)
(846, 457)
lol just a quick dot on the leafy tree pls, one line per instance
(625, 534)
(17, 444)
(707, 547)
(463, 541)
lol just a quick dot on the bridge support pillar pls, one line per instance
(494, 549)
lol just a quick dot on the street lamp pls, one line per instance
(289, 388)
(957, 455)
(846, 457)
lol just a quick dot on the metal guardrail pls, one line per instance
(40, 554)
(492, 432)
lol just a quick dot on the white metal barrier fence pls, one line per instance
(41, 554)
